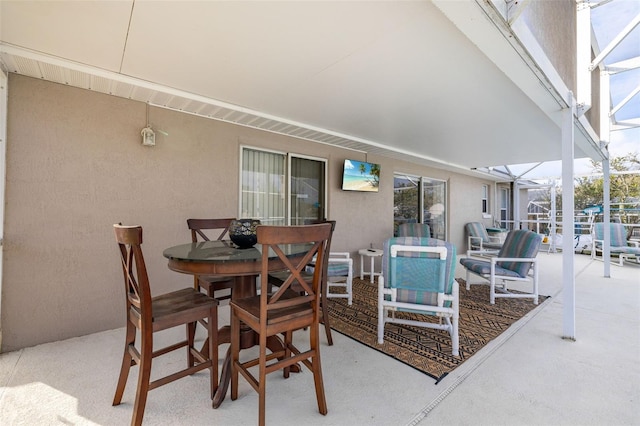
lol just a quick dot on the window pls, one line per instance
(485, 199)
(420, 200)
(505, 208)
(280, 188)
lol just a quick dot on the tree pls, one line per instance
(588, 191)
(624, 187)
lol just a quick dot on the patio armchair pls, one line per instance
(516, 261)
(339, 274)
(620, 245)
(479, 242)
(418, 277)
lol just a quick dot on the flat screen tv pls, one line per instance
(360, 176)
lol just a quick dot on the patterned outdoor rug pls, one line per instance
(425, 349)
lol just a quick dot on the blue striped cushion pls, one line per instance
(522, 244)
(414, 230)
(333, 269)
(337, 269)
(412, 295)
(618, 234)
(483, 267)
(476, 229)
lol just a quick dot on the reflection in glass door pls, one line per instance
(307, 188)
(406, 200)
(435, 207)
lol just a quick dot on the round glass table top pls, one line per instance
(225, 251)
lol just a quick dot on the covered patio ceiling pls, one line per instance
(438, 83)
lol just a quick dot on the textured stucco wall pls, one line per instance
(553, 23)
(76, 165)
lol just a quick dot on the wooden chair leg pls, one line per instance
(212, 333)
(262, 382)
(317, 372)
(144, 376)
(127, 360)
(325, 313)
(235, 354)
(191, 334)
(288, 338)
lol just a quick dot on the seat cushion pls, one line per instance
(333, 269)
(521, 244)
(483, 267)
(627, 250)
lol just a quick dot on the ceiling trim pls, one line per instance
(37, 65)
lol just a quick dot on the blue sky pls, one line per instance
(608, 20)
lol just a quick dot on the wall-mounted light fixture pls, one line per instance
(148, 135)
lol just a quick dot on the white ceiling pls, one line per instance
(401, 79)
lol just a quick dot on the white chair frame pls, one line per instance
(345, 282)
(450, 314)
(621, 256)
(493, 277)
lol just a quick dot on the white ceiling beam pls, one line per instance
(626, 124)
(622, 66)
(616, 41)
(625, 100)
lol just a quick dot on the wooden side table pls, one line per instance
(372, 254)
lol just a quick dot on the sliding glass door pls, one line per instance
(281, 189)
(307, 196)
(420, 200)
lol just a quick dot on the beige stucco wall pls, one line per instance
(76, 165)
(553, 23)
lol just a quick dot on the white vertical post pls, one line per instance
(516, 205)
(552, 217)
(568, 276)
(606, 247)
(605, 128)
(3, 168)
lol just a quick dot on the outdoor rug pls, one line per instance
(425, 349)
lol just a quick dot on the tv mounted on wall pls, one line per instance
(360, 176)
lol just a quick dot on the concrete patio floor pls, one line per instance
(528, 376)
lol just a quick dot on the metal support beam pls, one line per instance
(605, 130)
(606, 247)
(624, 101)
(568, 275)
(615, 42)
(552, 219)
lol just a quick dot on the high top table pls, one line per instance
(224, 258)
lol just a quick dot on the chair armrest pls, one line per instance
(632, 243)
(472, 239)
(494, 260)
(482, 252)
(494, 239)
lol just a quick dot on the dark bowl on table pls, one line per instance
(242, 232)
